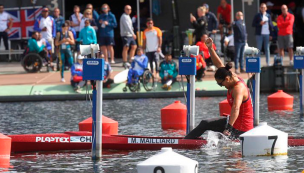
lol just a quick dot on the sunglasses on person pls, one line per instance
(221, 83)
(104, 8)
(128, 9)
(149, 23)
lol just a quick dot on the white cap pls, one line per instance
(80, 57)
(269, 4)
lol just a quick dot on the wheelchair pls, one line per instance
(147, 80)
(33, 62)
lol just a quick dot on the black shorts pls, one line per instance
(128, 41)
(106, 41)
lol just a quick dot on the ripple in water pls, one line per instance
(140, 117)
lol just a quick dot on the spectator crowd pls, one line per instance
(54, 35)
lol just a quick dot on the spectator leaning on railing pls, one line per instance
(46, 25)
(285, 38)
(6, 23)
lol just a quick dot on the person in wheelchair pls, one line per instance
(34, 47)
(76, 70)
(138, 66)
(168, 72)
(64, 40)
(48, 47)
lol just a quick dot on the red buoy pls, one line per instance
(225, 108)
(5, 151)
(109, 126)
(174, 116)
(280, 101)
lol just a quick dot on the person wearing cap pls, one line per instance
(46, 25)
(168, 72)
(263, 30)
(285, 39)
(212, 20)
(77, 70)
(64, 40)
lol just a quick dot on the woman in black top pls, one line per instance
(200, 24)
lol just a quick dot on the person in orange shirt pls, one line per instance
(204, 51)
(152, 41)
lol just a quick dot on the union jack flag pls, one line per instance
(23, 21)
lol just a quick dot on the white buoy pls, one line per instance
(167, 161)
(264, 140)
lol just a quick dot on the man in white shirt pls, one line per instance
(46, 25)
(127, 35)
(6, 23)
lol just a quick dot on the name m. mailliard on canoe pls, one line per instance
(152, 141)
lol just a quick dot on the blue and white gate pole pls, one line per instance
(93, 69)
(253, 65)
(187, 66)
(298, 63)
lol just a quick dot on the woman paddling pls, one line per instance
(238, 96)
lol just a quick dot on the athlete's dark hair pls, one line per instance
(223, 72)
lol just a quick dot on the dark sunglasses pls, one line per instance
(221, 83)
(150, 23)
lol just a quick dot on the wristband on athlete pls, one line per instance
(229, 128)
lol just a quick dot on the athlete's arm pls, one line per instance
(214, 57)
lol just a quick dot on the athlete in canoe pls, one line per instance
(238, 96)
